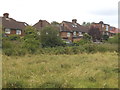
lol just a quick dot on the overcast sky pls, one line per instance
(31, 11)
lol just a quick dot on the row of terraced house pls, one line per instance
(69, 31)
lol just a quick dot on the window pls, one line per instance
(7, 31)
(18, 32)
(74, 25)
(46, 33)
(74, 33)
(107, 33)
(25, 24)
(68, 34)
(106, 27)
(102, 25)
(80, 34)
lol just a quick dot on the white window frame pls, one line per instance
(7, 31)
(18, 32)
(107, 33)
(68, 34)
(74, 33)
(80, 34)
(74, 25)
(106, 27)
(102, 25)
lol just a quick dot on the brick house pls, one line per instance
(104, 28)
(11, 26)
(113, 31)
(72, 31)
(41, 24)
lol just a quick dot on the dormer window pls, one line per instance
(18, 32)
(74, 25)
(7, 31)
(25, 24)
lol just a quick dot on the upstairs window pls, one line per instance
(106, 27)
(18, 32)
(74, 33)
(68, 34)
(102, 25)
(7, 31)
(80, 34)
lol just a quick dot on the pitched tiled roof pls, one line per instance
(116, 30)
(40, 24)
(13, 24)
(69, 26)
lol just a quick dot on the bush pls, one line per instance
(8, 52)
(49, 37)
(6, 44)
(105, 37)
(31, 45)
(13, 37)
(114, 39)
(90, 48)
(30, 41)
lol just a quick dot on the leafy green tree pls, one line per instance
(86, 23)
(49, 37)
(87, 37)
(31, 41)
(55, 23)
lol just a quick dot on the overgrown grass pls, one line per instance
(96, 70)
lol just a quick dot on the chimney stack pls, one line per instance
(74, 20)
(6, 15)
(41, 23)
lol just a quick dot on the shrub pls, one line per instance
(14, 37)
(8, 52)
(49, 37)
(90, 48)
(31, 45)
(31, 41)
(114, 39)
(7, 44)
(105, 37)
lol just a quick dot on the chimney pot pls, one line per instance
(6, 15)
(74, 20)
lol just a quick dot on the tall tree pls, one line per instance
(95, 33)
(49, 37)
(86, 23)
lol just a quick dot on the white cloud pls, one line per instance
(31, 11)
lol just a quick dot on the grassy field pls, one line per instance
(99, 70)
